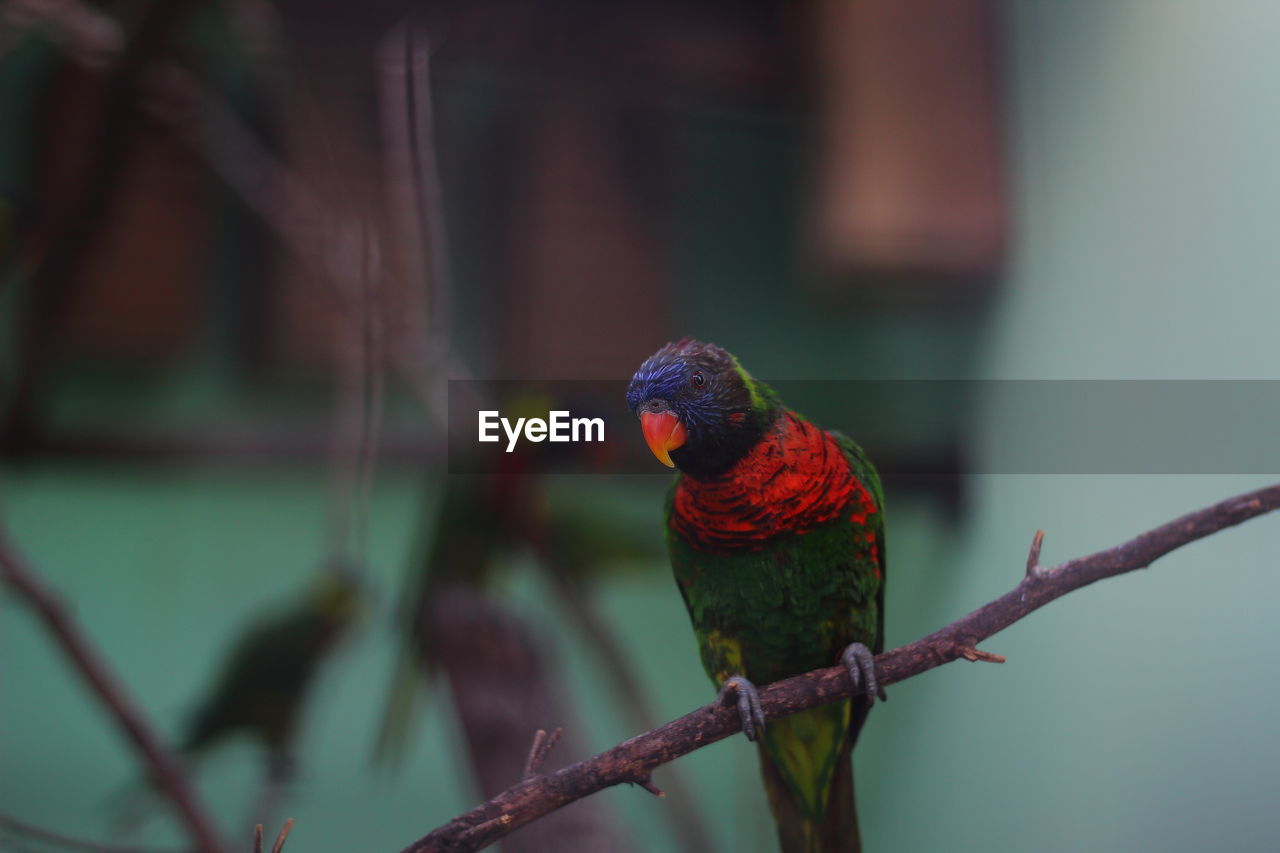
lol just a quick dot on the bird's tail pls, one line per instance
(807, 764)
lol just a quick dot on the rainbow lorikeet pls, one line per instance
(776, 536)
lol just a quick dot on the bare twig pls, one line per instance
(1033, 556)
(420, 334)
(284, 833)
(542, 744)
(426, 165)
(973, 654)
(646, 782)
(420, 330)
(162, 764)
(634, 760)
(257, 838)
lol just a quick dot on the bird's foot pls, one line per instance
(861, 664)
(747, 698)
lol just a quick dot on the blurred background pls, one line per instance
(244, 245)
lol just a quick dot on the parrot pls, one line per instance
(264, 679)
(775, 533)
(261, 687)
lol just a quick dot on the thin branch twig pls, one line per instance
(972, 654)
(542, 744)
(1033, 556)
(284, 833)
(634, 760)
(163, 765)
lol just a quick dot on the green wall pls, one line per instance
(1132, 715)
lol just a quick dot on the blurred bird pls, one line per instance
(480, 522)
(263, 683)
(775, 532)
(261, 689)
(575, 535)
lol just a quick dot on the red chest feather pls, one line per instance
(795, 479)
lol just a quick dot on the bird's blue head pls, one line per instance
(699, 410)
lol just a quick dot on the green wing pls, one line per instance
(870, 477)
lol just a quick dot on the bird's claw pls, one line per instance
(861, 664)
(750, 711)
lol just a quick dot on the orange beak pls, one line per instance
(663, 432)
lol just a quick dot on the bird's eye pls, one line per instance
(698, 379)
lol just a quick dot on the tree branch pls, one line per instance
(634, 760)
(164, 767)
